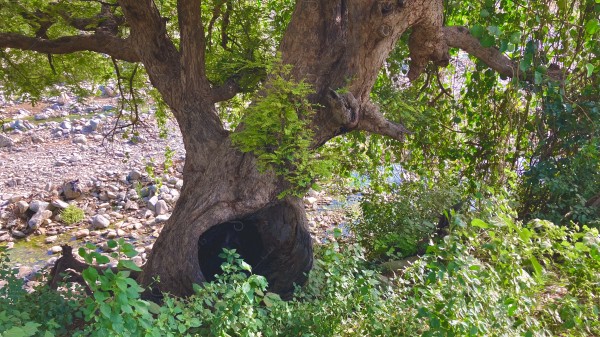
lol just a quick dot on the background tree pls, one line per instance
(205, 57)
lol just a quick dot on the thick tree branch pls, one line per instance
(226, 91)
(192, 45)
(154, 48)
(460, 37)
(372, 120)
(116, 47)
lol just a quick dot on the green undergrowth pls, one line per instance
(490, 276)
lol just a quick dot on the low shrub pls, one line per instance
(491, 275)
(72, 215)
(392, 224)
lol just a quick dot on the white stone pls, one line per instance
(57, 203)
(51, 239)
(79, 139)
(162, 218)
(151, 204)
(82, 233)
(161, 207)
(100, 222)
(38, 218)
(22, 206)
(56, 249)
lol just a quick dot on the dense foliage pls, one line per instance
(490, 276)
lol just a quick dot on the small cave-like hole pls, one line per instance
(243, 236)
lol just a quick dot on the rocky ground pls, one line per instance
(59, 153)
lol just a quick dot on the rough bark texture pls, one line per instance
(332, 44)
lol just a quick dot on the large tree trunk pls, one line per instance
(226, 202)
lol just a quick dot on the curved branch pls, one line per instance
(225, 91)
(154, 47)
(372, 120)
(460, 37)
(116, 47)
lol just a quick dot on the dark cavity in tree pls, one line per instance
(241, 235)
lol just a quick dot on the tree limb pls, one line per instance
(372, 120)
(116, 47)
(460, 37)
(155, 49)
(192, 47)
(225, 91)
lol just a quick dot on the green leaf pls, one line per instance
(537, 77)
(128, 264)
(592, 26)
(488, 41)
(590, 69)
(477, 31)
(101, 259)
(479, 223)
(112, 244)
(582, 247)
(248, 291)
(90, 274)
(494, 30)
(537, 267)
(271, 299)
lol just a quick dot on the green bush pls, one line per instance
(41, 313)
(72, 215)
(393, 223)
(490, 276)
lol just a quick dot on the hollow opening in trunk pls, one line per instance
(241, 235)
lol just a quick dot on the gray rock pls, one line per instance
(64, 99)
(5, 237)
(161, 207)
(82, 233)
(66, 125)
(132, 205)
(75, 158)
(5, 141)
(148, 191)
(71, 190)
(15, 198)
(94, 124)
(79, 139)
(51, 239)
(138, 261)
(41, 116)
(56, 249)
(23, 206)
(36, 139)
(38, 218)
(18, 234)
(38, 205)
(151, 204)
(162, 218)
(100, 222)
(134, 175)
(59, 204)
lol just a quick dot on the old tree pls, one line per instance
(322, 56)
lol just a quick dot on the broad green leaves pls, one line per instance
(276, 128)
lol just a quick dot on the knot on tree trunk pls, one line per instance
(344, 109)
